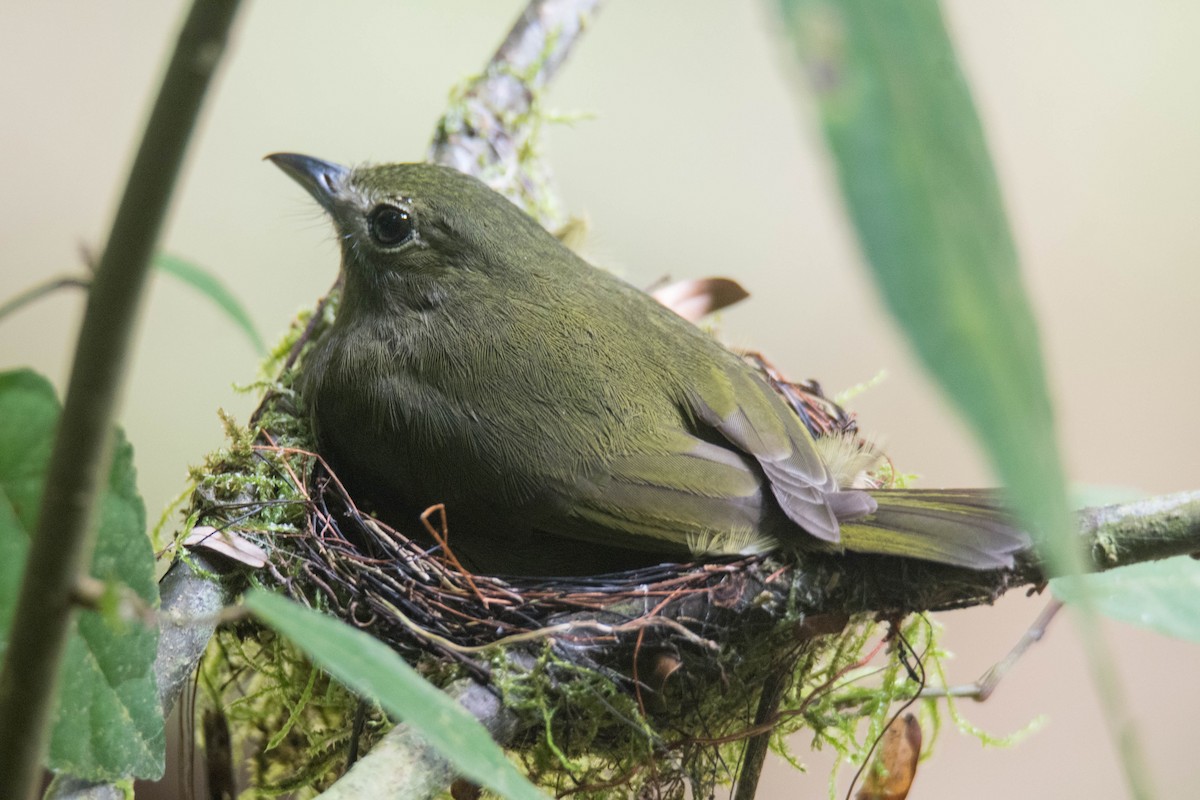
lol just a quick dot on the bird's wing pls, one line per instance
(747, 413)
(704, 486)
(689, 497)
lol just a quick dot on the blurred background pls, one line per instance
(699, 157)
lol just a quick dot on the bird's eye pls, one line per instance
(390, 225)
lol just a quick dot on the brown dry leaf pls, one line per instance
(465, 790)
(697, 298)
(891, 776)
(665, 665)
(227, 543)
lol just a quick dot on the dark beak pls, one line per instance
(324, 180)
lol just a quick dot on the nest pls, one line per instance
(646, 681)
(420, 599)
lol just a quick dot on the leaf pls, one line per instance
(696, 298)
(108, 723)
(1086, 495)
(919, 185)
(229, 543)
(28, 414)
(1163, 596)
(204, 282)
(891, 773)
(374, 670)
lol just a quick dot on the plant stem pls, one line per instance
(62, 545)
(755, 754)
(41, 290)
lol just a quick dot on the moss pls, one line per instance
(292, 718)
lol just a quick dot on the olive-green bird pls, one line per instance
(569, 422)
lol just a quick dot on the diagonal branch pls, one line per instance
(490, 130)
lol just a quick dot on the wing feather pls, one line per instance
(745, 411)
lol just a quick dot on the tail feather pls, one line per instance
(961, 527)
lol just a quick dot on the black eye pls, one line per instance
(390, 225)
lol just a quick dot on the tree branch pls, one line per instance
(41, 290)
(490, 130)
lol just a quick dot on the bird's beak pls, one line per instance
(324, 180)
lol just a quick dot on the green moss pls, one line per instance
(294, 721)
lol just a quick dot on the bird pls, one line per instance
(567, 422)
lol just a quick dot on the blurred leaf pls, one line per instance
(374, 670)
(1163, 596)
(28, 414)
(919, 186)
(918, 183)
(1088, 495)
(208, 285)
(108, 723)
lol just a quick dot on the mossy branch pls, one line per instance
(491, 127)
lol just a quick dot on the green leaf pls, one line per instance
(108, 723)
(205, 283)
(374, 670)
(919, 185)
(1163, 596)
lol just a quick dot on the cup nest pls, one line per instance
(645, 681)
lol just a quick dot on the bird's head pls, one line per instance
(400, 223)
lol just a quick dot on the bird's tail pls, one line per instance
(961, 527)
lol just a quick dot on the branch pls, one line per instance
(403, 767)
(489, 131)
(41, 290)
(63, 542)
